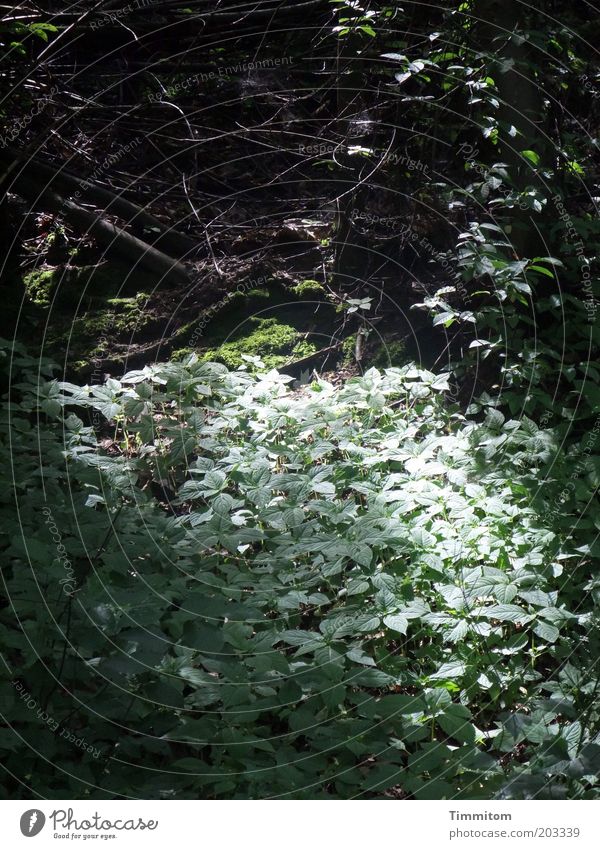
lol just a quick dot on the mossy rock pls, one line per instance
(122, 315)
(308, 289)
(93, 334)
(264, 323)
(181, 354)
(69, 285)
(40, 285)
(270, 340)
(304, 348)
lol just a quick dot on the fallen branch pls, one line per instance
(310, 359)
(113, 239)
(177, 244)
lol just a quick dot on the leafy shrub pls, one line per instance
(343, 593)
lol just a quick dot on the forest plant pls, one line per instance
(335, 592)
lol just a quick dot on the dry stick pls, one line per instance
(193, 183)
(311, 357)
(208, 242)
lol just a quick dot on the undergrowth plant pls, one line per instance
(322, 593)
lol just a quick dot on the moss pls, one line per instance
(236, 298)
(258, 294)
(390, 354)
(39, 286)
(181, 354)
(303, 348)
(68, 284)
(270, 340)
(308, 288)
(90, 335)
(135, 304)
(261, 322)
(348, 347)
(117, 319)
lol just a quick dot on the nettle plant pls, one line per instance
(330, 592)
(503, 317)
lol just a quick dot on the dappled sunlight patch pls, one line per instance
(348, 588)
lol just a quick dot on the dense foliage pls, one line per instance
(223, 582)
(226, 587)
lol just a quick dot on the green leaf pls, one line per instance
(547, 632)
(301, 638)
(449, 671)
(323, 487)
(367, 624)
(396, 622)
(531, 156)
(214, 480)
(456, 722)
(541, 270)
(572, 734)
(505, 613)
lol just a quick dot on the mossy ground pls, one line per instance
(91, 311)
(39, 285)
(98, 319)
(308, 288)
(274, 343)
(270, 323)
(71, 285)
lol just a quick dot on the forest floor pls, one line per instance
(267, 293)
